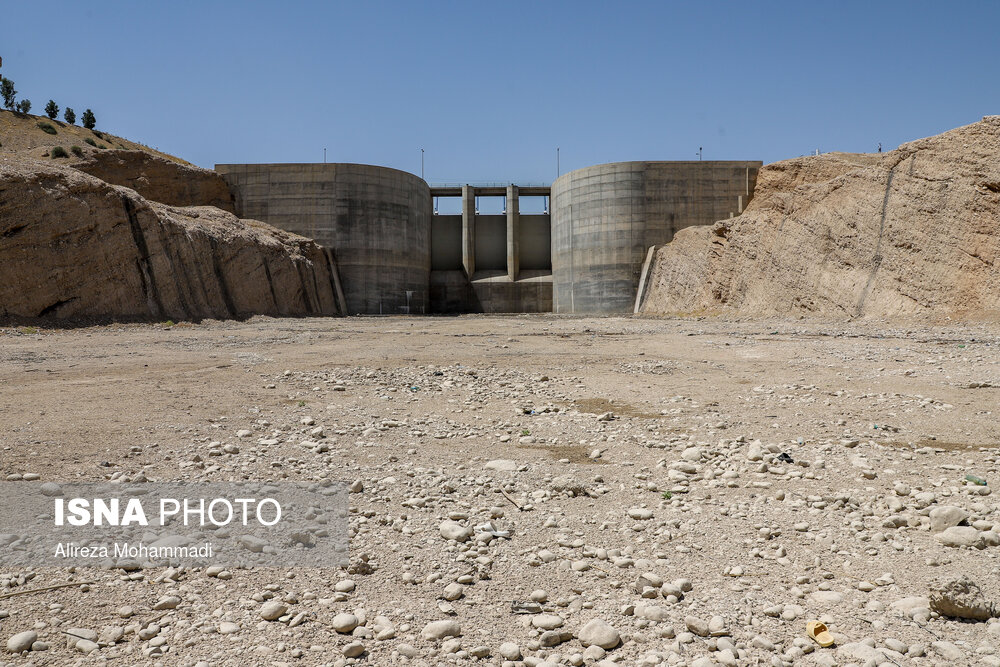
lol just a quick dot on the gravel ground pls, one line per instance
(661, 491)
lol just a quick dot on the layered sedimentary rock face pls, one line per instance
(912, 232)
(75, 246)
(159, 179)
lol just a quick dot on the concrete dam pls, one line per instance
(585, 254)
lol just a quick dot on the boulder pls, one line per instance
(961, 598)
(946, 516)
(599, 633)
(961, 536)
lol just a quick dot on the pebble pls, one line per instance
(696, 625)
(717, 626)
(453, 591)
(510, 651)
(272, 610)
(354, 649)
(22, 641)
(344, 623)
(441, 629)
(961, 536)
(169, 602)
(946, 516)
(453, 530)
(87, 646)
(50, 489)
(547, 621)
(948, 651)
(599, 633)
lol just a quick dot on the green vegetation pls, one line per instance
(28, 330)
(7, 92)
(525, 432)
(90, 141)
(69, 115)
(59, 151)
(47, 127)
(24, 106)
(302, 404)
(103, 147)
(98, 134)
(52, 109)
(88, 120)
(667, 495)
(76, 150)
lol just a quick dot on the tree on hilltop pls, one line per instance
(24, 106)
(8, 92)
(52, 109)
(88, 119)
(70, 115)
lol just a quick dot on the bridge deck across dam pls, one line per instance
(492, 190)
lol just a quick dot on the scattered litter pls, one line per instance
(525, 607)
(819, 633)
(978, 481)
(785, 458)
(490, 528)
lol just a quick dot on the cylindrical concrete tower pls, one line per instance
(605, 217)
(376, 220)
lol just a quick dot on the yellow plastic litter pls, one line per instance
(819, 633)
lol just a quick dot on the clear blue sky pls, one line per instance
(490, 89)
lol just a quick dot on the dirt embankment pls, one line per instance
(74, 246)
(111, 229)
(912, 232)
(28, 135)
(159, 179)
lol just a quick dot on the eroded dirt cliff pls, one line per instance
(158, 179)
(912, 232)
(74, 246)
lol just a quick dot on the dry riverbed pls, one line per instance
(661, 492)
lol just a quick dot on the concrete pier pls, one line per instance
(513, 220)
(469, 230)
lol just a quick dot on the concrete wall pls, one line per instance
(376, 220)
(491, 243)
(605, 217)
(535, 242)
(491, 292)
(446, 243)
